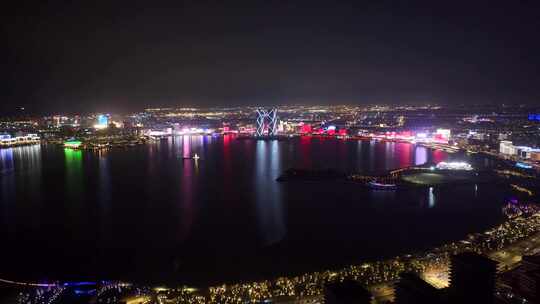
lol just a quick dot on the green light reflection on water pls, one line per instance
(74, 180)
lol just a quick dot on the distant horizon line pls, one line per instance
(23, 111)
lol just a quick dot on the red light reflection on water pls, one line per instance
(305, 151)
(186, 200)
(439, 156)
(186, 190)
(403, 151)
(227, 138)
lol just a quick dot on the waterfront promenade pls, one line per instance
(505, 243)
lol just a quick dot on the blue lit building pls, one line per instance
(103, 120)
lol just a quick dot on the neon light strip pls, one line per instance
(27, 284)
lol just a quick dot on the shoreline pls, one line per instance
(520, 226)
(372, 273)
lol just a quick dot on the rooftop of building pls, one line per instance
(534, 259)
(347, 290)
(413, 281)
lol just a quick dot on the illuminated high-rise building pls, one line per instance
(102, 122)
(507, 147)
(443, 134)
(472, 278)
(526, 278)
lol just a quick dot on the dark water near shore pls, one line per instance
(147, 214)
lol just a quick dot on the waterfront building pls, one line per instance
(443, 134)
(525, 152)
(506, 147)
(454, 166)
(58, 121)
(267, 122)
(305, 128)
(7, 140)
(535, 155)
(72, 143)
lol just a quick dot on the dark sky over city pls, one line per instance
(124, 56)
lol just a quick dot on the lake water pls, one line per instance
(146, 213)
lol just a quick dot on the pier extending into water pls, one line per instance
(403, 177)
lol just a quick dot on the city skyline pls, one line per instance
(348, 175)
(270, 152)
(25, 111)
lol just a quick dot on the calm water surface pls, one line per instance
(145, 213)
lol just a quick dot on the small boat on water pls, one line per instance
(380, 186)
(194, 157)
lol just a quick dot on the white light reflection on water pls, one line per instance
(269, 199)
(431, 198)
(420, 156)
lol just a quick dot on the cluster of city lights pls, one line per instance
(454, 166)
(74, 144)
(7, 140)
(432, 265)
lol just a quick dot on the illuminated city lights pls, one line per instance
(74, 144)
(266, 122)
(453, 166)
(7, 140)
(317, 152)
(534, 117)
(523, 165)
(424, 146)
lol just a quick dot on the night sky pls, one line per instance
(83, 56)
